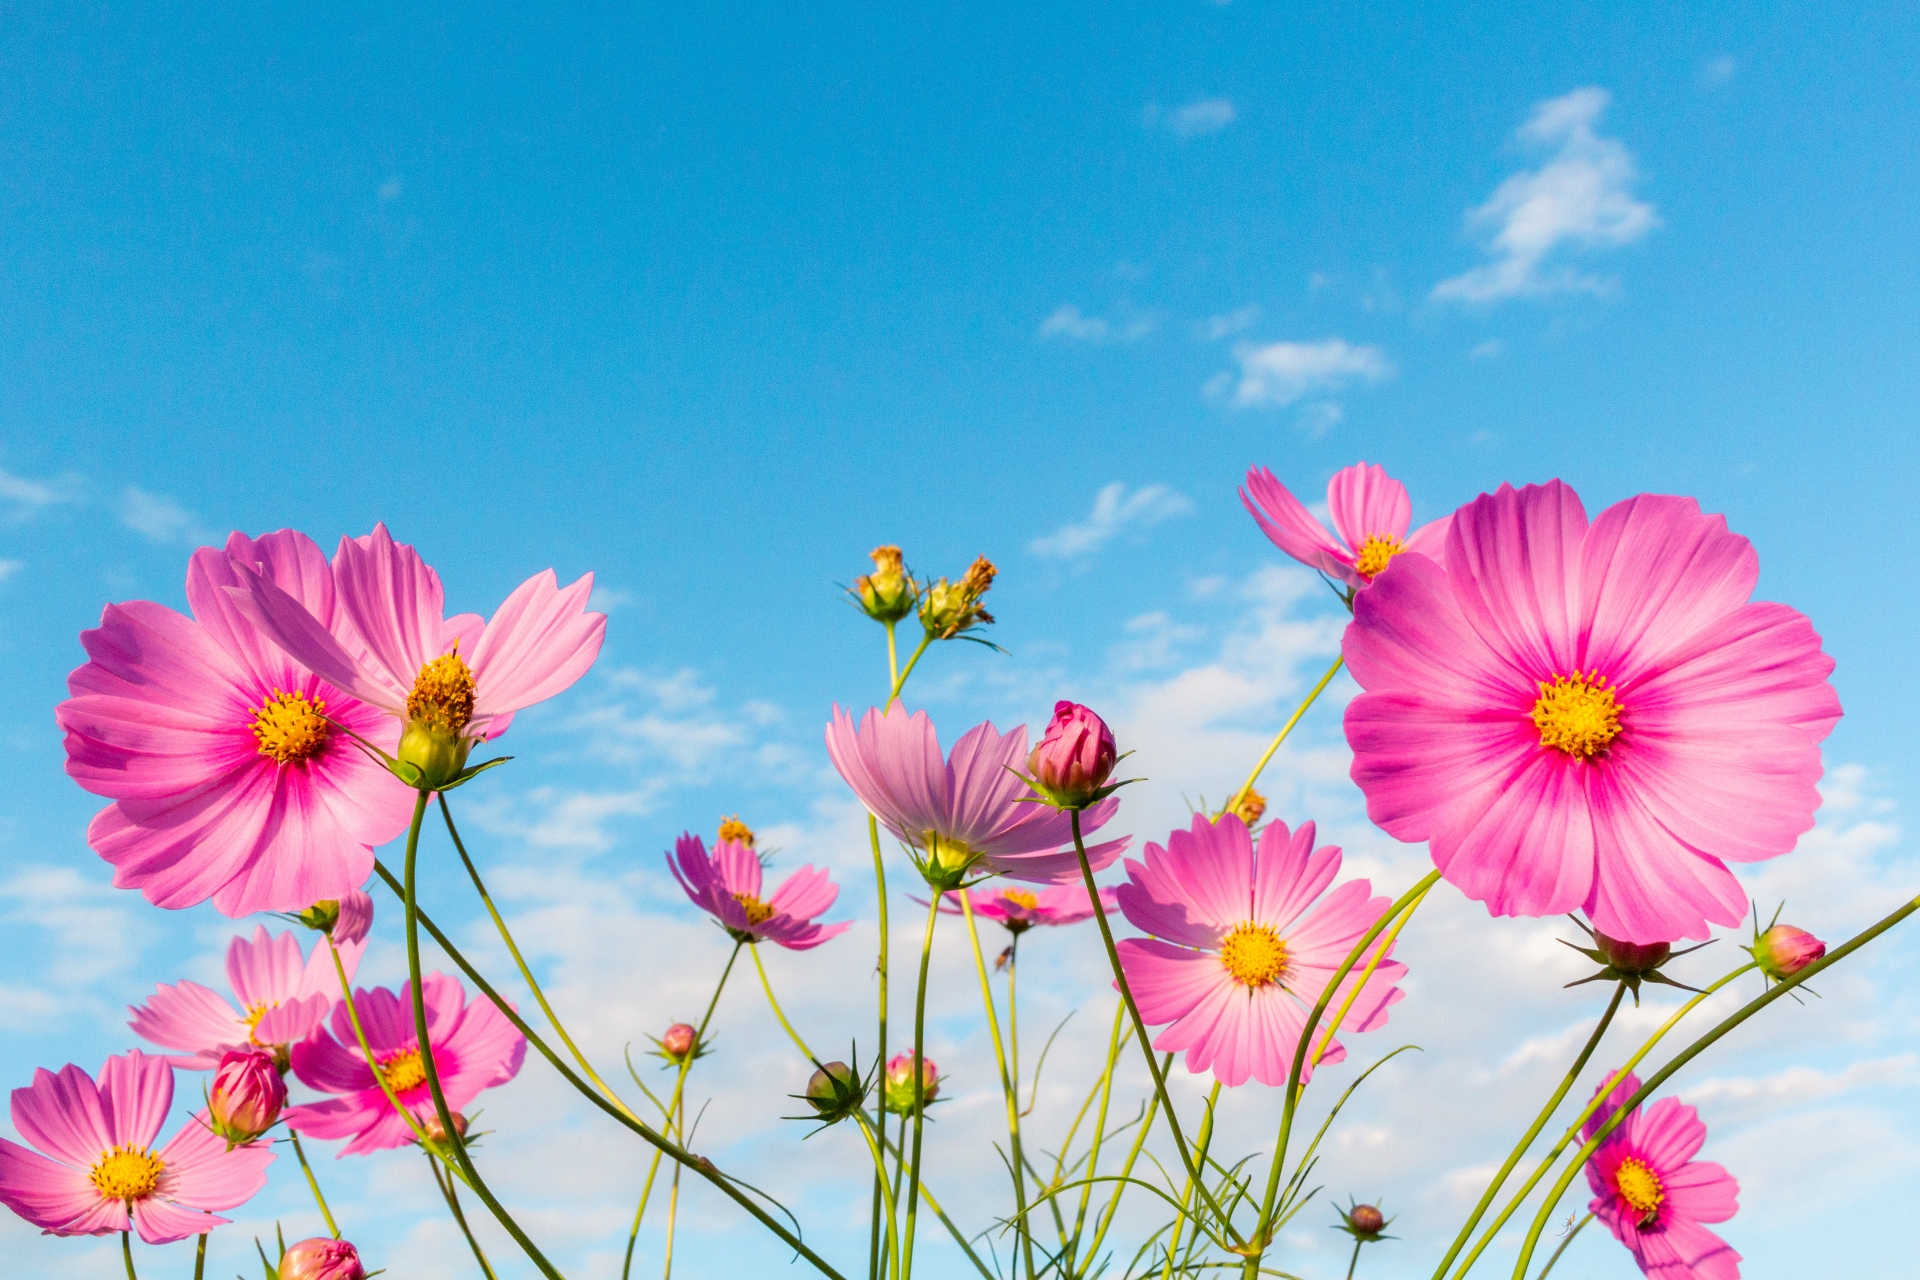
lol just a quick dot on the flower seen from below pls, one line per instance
(1071, 763)
(1018, 909)
(1589, 717)
(321, 1259)
(727, 885)
(1654, 1196)
(1370, 510)
(1783, 951)
(245, 1096)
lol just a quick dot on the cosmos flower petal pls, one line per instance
(1430, 539)
(64, 1115)
(163, 1222)
(52, 1195)
(537, 644)
(1703, 1191)
(1289, 873)
(1655, 574)
(135, 1093)
(1365, 502)
(396, 605)
(737, 868)
(284, 620)
(200, 1171)
(266, 968)
(189, 1017)
(806, 893)
(1513, 558)
(1292, 528)
(1650, 885)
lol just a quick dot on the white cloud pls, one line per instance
(1196, 119)
(1579, 199)
(1278, 373)
(1491, 349)
(1718, 69)
(1116, 510)
(29, 497)
(159, 518)
(1068, 321)
(1214, 328)
(390, 189)
(1319, 417)
(10, 567)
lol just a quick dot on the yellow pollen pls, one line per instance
(1253, 954)
(254, 1015)
(443, 693)
(126, 1173)
(1374, 554)
(404, 1071)
(756, 910)
(1577, 714)
(734, 831)
(1640, 1187)
(1020, 898)
(290, 727)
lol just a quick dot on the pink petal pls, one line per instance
(159, 1222)
(395, 604)
(190, 1017)
(737, 869)
(1667, 1134)
(45, 1193)
(265, 969)
(135, 1093)
(1702, 1191)
(1290, 527)
(200, 1172)
(1059, 867)
(1409, 635)
(1168, 982)
(333, 1066)
(1655, 573)
(286, 622)
(1430, 539)
(537, 644)
(64, 1115)
(1211, 866)
(805, 894)
(800, 936)
(320, 977)
(1514, 561)
(292, 1021)
(1288, 874)
(1651, 887)
(1365, 502)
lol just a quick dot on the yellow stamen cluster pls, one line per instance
(734, 831)
(1021, 898)
(442, 694)
(1248, 806)
(290, 727)
(757, 911)
(1375, 552)
(948, 609)
(1254, 954)
(254, 1014)
(1577, 714)
(1640, 1187)
(404, 1071)
(126, 1173)
(889, 592)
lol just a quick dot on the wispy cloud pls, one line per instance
(1718, 69)
(1070, 323)
(159, 518)
(27, 498)
(1214, 328)
(1196, 119)
(10, 567)
(1580, 199)
(1116, 510)
(1491, 349)
(1278, 373)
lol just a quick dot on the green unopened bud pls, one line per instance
(322, 915)
(835, 1092)
(437, 754)
(948, 609)
(889, 593)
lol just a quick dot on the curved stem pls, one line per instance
(1203, 1141)
(1578, 1228)
(126, 1251)
(774, 1004)
(900, 681)
(366, 1049)
(1023, 1233)
(312, 1183)
(1286, 729)
(880, 1163)
(452, 1198)
(1105, 1086)
(1121, 1183)
(880, 891)
(919, 1075)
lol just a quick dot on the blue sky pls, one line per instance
(711, 302)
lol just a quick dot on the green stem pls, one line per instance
(1204, 1141)
(312, 1183)
(1281, 737)
(373, 1062)
(774, 1004)
(919, 1076)
(452, 1198)
(880, 890)
(1023, 1233)
(200, 1255)
(1355, 1260)
(126, 1251)
(893, 659)
(1578, 1228)
(878, 1151)
(673, 1196)
(953, 1230)
(900, 682)
(1105, 1087)
(1126, 1170)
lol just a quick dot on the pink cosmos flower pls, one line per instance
(474, 1048)
(727, 886)
(282, 997)
(1018, 910)
(969, 810)
(1246, 953)
(1654, 1196)
(1589, 718)
(104, 1175)
(321, 1259)
(227, 778)
(1370, 509)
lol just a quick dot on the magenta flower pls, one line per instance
(321, 1259)
(727, 887)
(104, 1175)
(1370, 509)
(1590, 718)
(1074, 758)
(1018, 910)
(474, 1048)
(968, 811)
(1654, 1196)
(1240, 952)
(227, 763)
(282, 998)
(245, 1096)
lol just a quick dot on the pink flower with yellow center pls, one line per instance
(1370, 510)
(1653, 1195)
(1589, 717)
(1018, 909)
(1240, 951)
(228, 763)
(728, 886)
(474, 1048)
(100, 1172)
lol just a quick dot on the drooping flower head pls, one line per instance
(1019, 910)
(727, 886)
(1240, 950)
(474, 1048)
(1654, 1196)
(282, 996)
(1370, 510)
(1590, 717)
(321, 1259)
(245, 1096)
(227, 761)
(967, 812)
(1073, 760)
(104, 1174)
(451, 682)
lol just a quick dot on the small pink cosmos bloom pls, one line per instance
(283, 996)
(104, 1175)
(1654, 1196)
(1370, 509)
(1589, 717)
(1240, 953)
(1018, 910)
(968, 810)
(228, 764)
(1783, 951)
(1075, 757)
(245, 1096)
(474, 1048)
(321, 1259)
(727, 885)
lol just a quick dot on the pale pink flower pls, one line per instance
(282, 995)
(971, 810)
(1370, 510)
(321, 1259)
(727, 885)
(1589, 718)
(245, 1096)
(1018, 910)
(1653, 1195)
(227, 782)
(104, 1175)
(1240, 951)
(474, 1048)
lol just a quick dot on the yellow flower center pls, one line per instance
(756, 910)
(254, 1015)
(1021, 899)
(1248, 807)
(1640, 1187)
(734, 831)
(1374, 554)
(1577, 714)
(290, 727)
(443, 693)
(404, 1071)
(1253, 954)
(126, 1173)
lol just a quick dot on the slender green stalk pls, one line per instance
(1286, 729)
(1105, 1088)
(1126, 1171)
(1009, 1087)
(1526, 1139)
(366, 1049)
(1355, 1260)
(673, 1196)
(880, 1163)
(774, 1004)
(919, 1075)
(332, 1228)
(1204, 1141)
(200, 1256)
(126, 1251)
(880, 891)
(900, 681)
(1578, 1228)
(893, 659)
(452, 1198)
(959, 1237)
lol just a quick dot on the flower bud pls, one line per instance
(889, 593)
(437, 1132)
(321, 1259)
(835, 1091)
(1072, 762)
(678, 1042)
(436, 754)
(345, 919)
(1784, 950)
(1249, 806)
(245, 1096)
(1365, 1222)
(734, 831)
(898, 1089)
(1632, 958)
(949, 609)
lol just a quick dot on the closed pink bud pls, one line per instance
(1366, 1220)
(356, 918)
(679, 1040)
(898, 1088)
(437, 1132)
(321, 1259)
(1075, 757)
(246, 1095)
(1784, 950)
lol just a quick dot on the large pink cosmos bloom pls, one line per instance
(474, 1048)
(1370, 509)
(970, 809)
(1240, 953)
(1589, 718)
(727, 885)
(226, 780)
(104, 1175)
(1654, 1196)
(282, 996)
(1018, 910)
